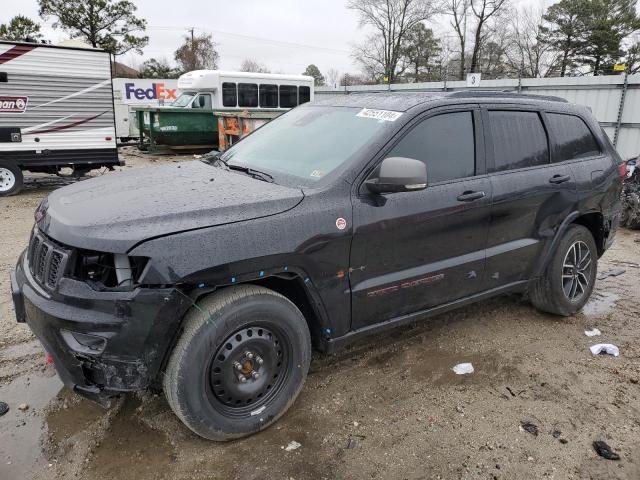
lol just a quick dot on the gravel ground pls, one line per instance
(387, 407)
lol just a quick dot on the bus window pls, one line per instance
(269, 96)
(288, 96)
(247, 95)
(305, 94)
(203, 101)
(229, 95)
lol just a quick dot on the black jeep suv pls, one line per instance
(340, 218)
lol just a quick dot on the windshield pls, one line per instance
(183, 100)
(306, 142)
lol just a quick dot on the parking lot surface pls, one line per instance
(387, 407)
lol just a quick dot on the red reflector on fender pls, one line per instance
(622, 170)
(108, 139)
(49, 358)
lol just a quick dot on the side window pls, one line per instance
(574, 138)
(269, 96)
(519, 140)
(203, 101)
(445, 143)
(247, 95)
(288, 96)
(229, 95)
(304, 94)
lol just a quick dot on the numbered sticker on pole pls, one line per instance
(473, 79)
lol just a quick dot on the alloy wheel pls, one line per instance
(576, 271)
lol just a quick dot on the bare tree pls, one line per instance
(459, 10)
(198, 52)
(483, 10)
(251, 65)
(391, 19)
(333, 77)
(528, 53)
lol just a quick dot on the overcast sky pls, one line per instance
(286, 35)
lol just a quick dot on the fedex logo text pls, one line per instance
(156, 92)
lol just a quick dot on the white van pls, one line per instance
(139, 92)
(220, 90)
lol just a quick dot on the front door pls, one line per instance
(416, 250)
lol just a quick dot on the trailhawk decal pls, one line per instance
(408, 284)
(386, 115)
(13, 104)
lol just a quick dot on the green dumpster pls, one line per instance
(176, 128)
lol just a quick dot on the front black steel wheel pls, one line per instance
(239, 364)
(248, 369)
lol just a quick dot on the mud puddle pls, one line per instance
(20, 430)
(600, 304)
(130, 448)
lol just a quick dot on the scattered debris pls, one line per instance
(605, 451)
(614, 272)
(558, 434)
(293, 445)
(594, 332)
(4, 408)
(23, 407)
(530, 428)
(463, 368)
(605, 348)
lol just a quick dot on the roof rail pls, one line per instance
(504, 94)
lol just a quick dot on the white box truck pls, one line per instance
(56, 111)
(139, 92)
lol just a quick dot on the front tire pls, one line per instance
(568, 280)
(239, 364)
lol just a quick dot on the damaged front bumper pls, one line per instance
(102, 342)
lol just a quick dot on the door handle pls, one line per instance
(470, 196)
(559, 179)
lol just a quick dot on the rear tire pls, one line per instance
(239, 364)
(11, 179)
(567, 282)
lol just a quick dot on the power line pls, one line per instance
(250, 37)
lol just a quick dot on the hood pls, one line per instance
(114, 212)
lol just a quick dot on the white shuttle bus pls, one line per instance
(56, 110)
(220, 90)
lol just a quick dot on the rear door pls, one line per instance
(531, 195)
(415, 250)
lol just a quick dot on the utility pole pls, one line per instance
(193, 52)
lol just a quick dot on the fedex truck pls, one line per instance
(139, 92)
(56, 111)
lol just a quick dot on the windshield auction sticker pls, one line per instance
(386, 115)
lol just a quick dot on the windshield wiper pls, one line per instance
(215, 160)
(250, 171)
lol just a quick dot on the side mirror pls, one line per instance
(399, 174)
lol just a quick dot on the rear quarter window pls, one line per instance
(573, 137)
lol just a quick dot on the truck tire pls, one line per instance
(239, 364)
(568, 280)
(11, 179)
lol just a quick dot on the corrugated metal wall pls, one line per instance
(602, 94)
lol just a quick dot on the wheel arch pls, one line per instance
(592, 221)
(293, 285)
